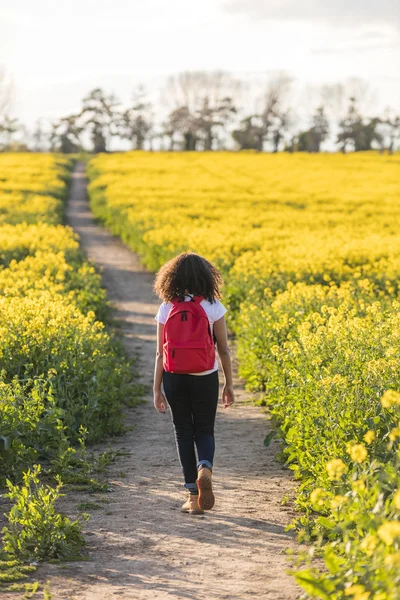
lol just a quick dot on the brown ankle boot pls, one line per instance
(204, 484)
(191, 506)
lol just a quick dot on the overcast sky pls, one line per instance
(56, 51)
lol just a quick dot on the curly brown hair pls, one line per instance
(188, 273)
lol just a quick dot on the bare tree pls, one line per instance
(8, 125)
(6, 93)
(202, 105)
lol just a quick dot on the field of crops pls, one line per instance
(310, 252)
(63, 376)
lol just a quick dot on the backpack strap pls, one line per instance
(175, 301)
(197, 299)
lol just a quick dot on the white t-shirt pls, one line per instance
(214, 310)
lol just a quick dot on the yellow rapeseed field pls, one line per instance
(303, 213)
(310, 251)
(55, 353)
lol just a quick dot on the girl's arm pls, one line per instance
(228, 395)
(160, 403)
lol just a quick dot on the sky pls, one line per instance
(55, 52)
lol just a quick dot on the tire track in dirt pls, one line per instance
(140, 545)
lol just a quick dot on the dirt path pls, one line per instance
(141, 546)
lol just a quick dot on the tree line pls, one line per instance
(208, 111)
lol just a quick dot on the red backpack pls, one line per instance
(188, 342)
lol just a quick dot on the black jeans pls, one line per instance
(193, 400)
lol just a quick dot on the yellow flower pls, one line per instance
(389, 531)
(336, 468)
(390, 398)
(394, 434)
(358, 453)
(358, 486)
(368, 544)
(357, 592)
(369, 436)
(396, 499)
(392, 560)
(338, 500)
(318, 496)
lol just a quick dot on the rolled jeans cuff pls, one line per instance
(191, 487)
(204, 463)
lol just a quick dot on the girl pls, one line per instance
(192, 396)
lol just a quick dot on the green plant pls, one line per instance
(35, 529)
(47, 595)
(13, 571)
(357, 529)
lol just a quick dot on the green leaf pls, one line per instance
(325, 522)
(313, 585)
(334, 563)
(268, 438)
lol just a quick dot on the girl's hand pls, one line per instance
(160, 403)
(228, 396)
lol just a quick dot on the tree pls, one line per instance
(38, 136)
(184, 94)
(311, 140)
(168, 131)
(319, 129)
(271, 120)
(6, 93)
(100, 117)
(367, 134)
(246, 137)
(356, 132)
(8, 127)
(202, 107)
(211, 118)
(389, 130)
(349, 125)
(181, 121)
(66, 134)
(226, 111)
(136, 121)
(279, 128)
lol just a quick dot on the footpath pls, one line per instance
(140, 545)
